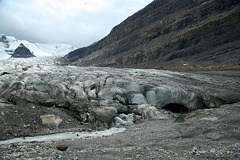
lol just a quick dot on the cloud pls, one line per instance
(77, 22)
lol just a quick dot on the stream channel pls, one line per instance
(65, 136)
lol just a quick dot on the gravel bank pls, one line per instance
(203, 134)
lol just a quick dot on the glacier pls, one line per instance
(101, 97)
(10, 43)
(98, 94)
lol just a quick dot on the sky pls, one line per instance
(76, 22)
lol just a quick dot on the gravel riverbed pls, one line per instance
(204, 134)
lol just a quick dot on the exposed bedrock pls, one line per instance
(169, 33)
(97, 95)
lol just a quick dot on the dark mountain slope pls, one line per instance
(173, 33)
(22, 52)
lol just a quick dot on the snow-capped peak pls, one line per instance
(9, 43)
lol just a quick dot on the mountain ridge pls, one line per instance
(170, 33)
(8, 44)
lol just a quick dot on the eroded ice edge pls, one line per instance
(65, 136)
(146, 88)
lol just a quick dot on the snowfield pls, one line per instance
(38, 49)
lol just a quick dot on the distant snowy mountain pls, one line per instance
(9, 43)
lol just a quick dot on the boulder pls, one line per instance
(102, 117)
(153, 113)
(51, 120)
(62, 147)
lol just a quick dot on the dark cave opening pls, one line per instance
(176, 108)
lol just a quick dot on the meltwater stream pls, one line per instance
(65, 136)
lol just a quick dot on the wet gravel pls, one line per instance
(205, 134)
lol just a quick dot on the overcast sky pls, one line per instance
(76, 22)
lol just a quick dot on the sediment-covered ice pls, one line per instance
(90, 91)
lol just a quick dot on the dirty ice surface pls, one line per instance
(127, 90)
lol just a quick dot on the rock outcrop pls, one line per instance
(4, 40)
(22, 52)
(172, 33)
